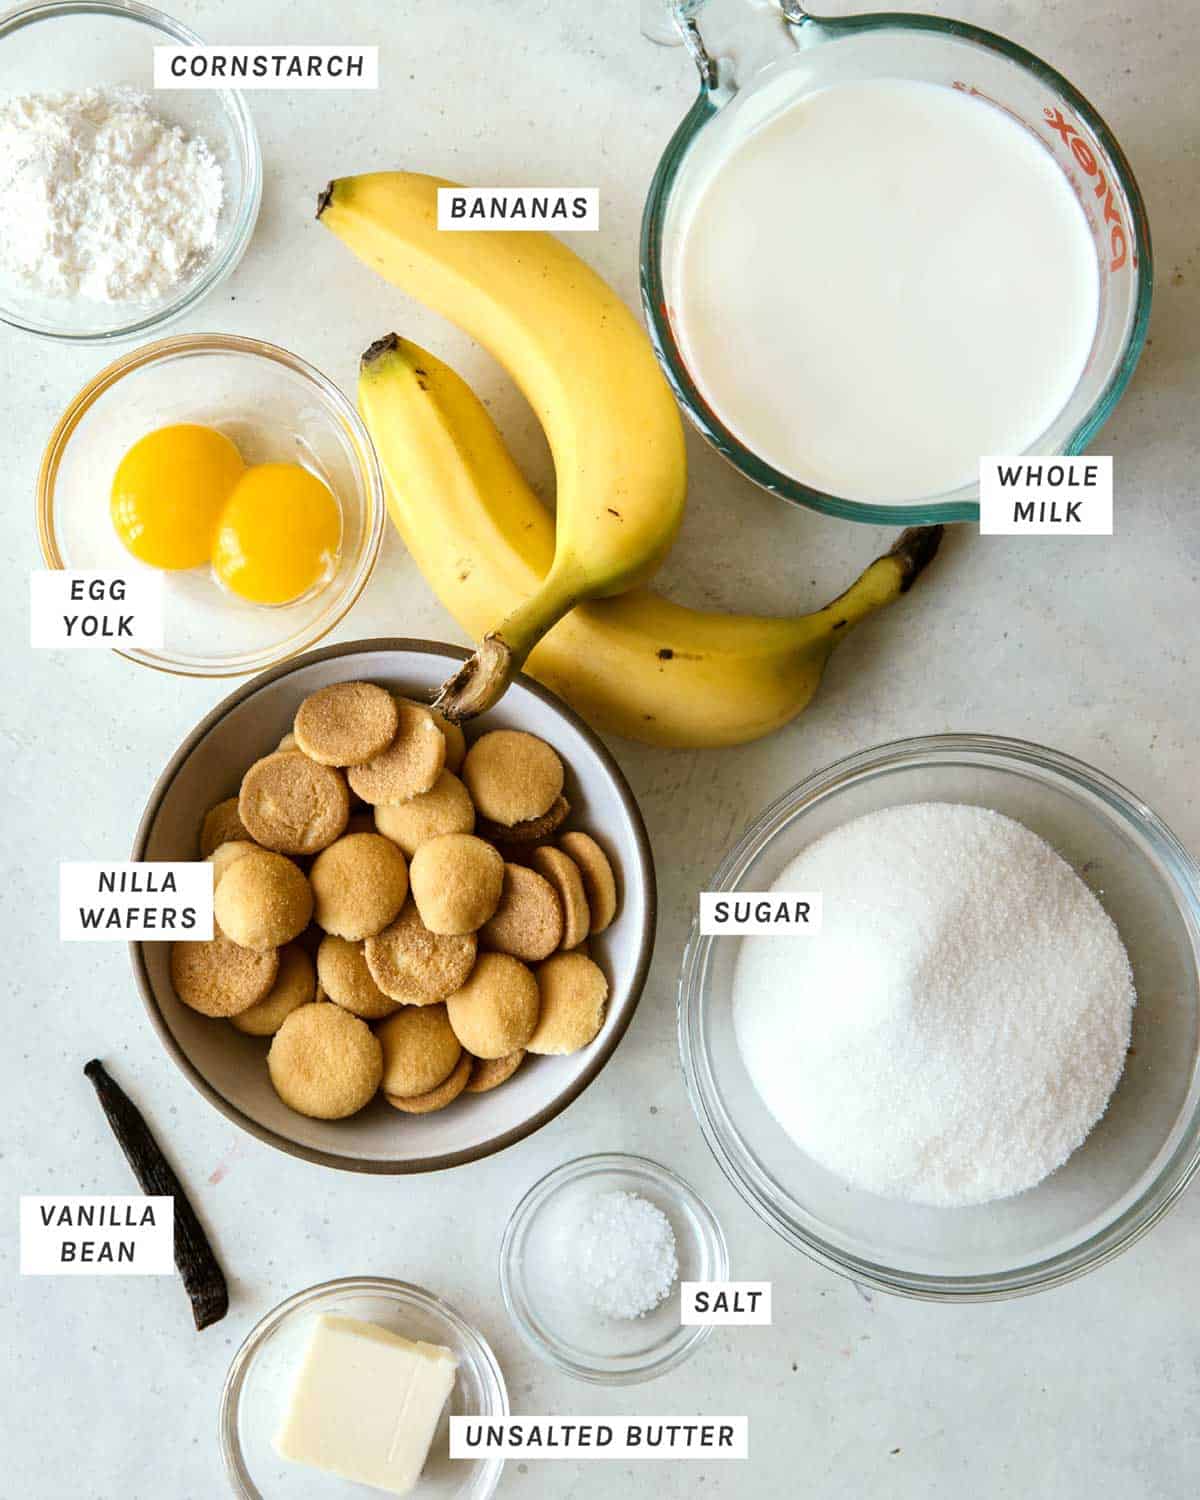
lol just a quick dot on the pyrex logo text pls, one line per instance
(1086, 157)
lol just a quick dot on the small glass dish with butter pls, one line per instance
(268, 1373)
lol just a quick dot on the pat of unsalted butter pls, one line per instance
(366, 1404)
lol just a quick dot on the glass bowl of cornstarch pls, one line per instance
(126, 202)
(957, 1056)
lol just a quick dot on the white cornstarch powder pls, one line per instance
(624, 1250)
(958, 1025)
(102, 199)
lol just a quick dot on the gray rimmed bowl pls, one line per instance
(229, 1069)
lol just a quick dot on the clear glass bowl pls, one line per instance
(1141, 1155)
(260, 1377)
(71, 45)
(756, 57)
(544, 1302)
(275, 407)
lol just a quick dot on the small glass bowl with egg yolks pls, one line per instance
(275, 512)
(183, 497)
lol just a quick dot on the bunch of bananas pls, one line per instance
(564, 597)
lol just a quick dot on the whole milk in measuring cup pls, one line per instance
(885, 281)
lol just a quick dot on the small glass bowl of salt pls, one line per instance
(591, 1264)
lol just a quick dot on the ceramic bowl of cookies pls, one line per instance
(426, 943)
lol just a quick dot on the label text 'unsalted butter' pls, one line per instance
(705, 1438)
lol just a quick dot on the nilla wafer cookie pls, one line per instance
(219, 977)
(598, 879)
(409, 765)
(346, 980)
(324, 1062)
(293, 805)
(563, 874)
(528, 923)
(420, 1050)
(295, 985)
(496, 1011)
(346, 723)
(415, 966)
(438, 1098)
(359, 885)
(512, 776)
(221, 825)
(573, 993)
(489, 1073)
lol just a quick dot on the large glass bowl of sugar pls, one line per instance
(1142, 1153)
(835, 344)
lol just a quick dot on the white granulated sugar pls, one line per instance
(102, 199)
(957, 1027)
(624, 1251)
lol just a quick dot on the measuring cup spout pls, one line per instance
(730, 41)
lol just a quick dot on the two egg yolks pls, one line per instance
(183, 496)
(169, 491)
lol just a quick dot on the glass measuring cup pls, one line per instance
(756, 57)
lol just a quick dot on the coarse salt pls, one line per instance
(956, 1029)
(624, 1249)
(102, 198)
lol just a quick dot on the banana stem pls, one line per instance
(914, 550)
(886, 578)
(483, 678)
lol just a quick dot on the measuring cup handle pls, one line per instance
(731, 40)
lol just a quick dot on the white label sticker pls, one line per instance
(81, 610)
(555, 208)
(1030, 496)
(97, 1234)
(600, 1437)
(291, 67)
(724, 1303)
(100, 903)
(784, 913)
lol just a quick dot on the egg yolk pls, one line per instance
(278, 535)
(168, 493)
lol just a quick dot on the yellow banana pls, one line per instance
(586, 367)
(637, 665)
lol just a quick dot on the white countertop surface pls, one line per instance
(1089, 1391)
